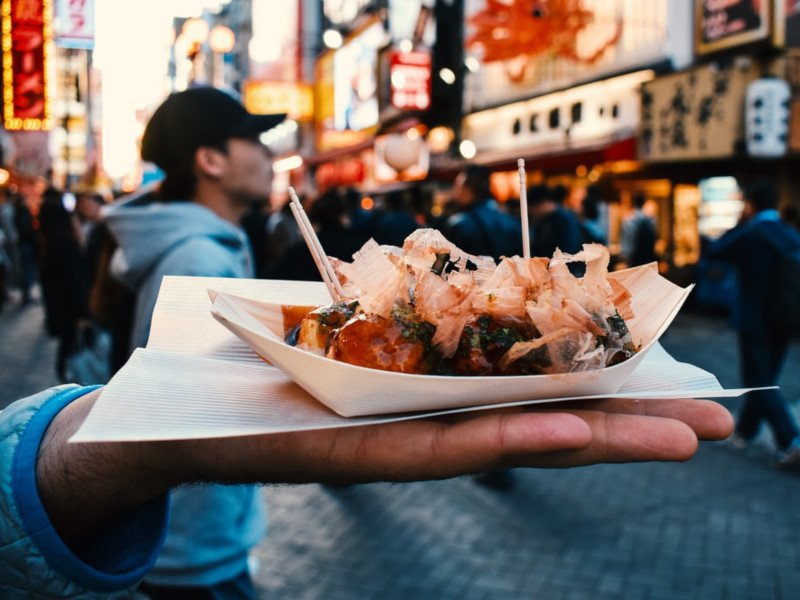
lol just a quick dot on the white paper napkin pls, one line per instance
(197, 380)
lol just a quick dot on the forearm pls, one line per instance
(84, 487)
(88, 563)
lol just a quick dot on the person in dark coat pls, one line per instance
(328, 215)
(552, 225)
(63, 276)
(480, 227)
(26, 246)
(254, 222)
(111, 304)
(395, 223)
(592, 231)
(762, 342)
(639, 235)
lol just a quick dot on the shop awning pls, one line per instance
(564, 158)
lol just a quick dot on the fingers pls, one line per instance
(709, 420)
(563, 435)
(423, 449)
(619, 437)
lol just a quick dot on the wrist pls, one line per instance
(83, 487)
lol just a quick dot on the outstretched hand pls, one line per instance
(557, 435)
(85, 486)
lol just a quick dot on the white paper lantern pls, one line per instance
(401, 153)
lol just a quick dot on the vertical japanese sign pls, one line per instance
(410, 80)
(726, 23)
(26, 43)
(74, 24)
(696, 114)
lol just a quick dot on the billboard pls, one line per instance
(74, 24)
(275, 97)
(515, 54)
(722, 25)
(410, 80)
(695, 114)
(27, 47)
(355, 80)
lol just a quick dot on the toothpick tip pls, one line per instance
(293, 195)
(521, 163)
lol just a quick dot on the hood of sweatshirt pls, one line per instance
(147, 230)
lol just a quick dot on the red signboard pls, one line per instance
(26, 40)
(410, 76)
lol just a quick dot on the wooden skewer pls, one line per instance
(315, 247)
(310, 243)
(523, 209)
(320, 252)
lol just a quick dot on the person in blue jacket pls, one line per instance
(480, 226)
(751, 247)
(87, 521)
(216, 169)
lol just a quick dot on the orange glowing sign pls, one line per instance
(26, 42)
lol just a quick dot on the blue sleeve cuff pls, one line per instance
(126, 551)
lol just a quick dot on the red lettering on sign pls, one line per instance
(26, 58)
(28, 11)
(78, 20)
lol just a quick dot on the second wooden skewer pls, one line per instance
(523, 209)
(315, 247)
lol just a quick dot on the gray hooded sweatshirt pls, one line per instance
(211, 527)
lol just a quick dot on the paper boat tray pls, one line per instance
(352, 391)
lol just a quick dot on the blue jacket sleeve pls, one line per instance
(732, 246)
(34, 561)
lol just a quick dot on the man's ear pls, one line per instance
(209, 161)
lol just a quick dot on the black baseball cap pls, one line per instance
(197, 117)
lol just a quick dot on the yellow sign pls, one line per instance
(274, 97)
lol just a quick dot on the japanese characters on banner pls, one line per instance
(695, 114)
(726, 23)
(26, 41)
(74, 24)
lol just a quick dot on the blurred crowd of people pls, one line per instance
(471, 218)
(52, 240)
(63, 241)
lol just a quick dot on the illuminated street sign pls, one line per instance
(410, 77)
(27, 42)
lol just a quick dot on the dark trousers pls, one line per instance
(27, 258)
(67, 340)
(762, 355)
(238, 588)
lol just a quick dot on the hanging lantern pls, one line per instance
(401, 153)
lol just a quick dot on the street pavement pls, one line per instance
(724, 525)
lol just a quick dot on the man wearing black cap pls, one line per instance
(215, 168)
